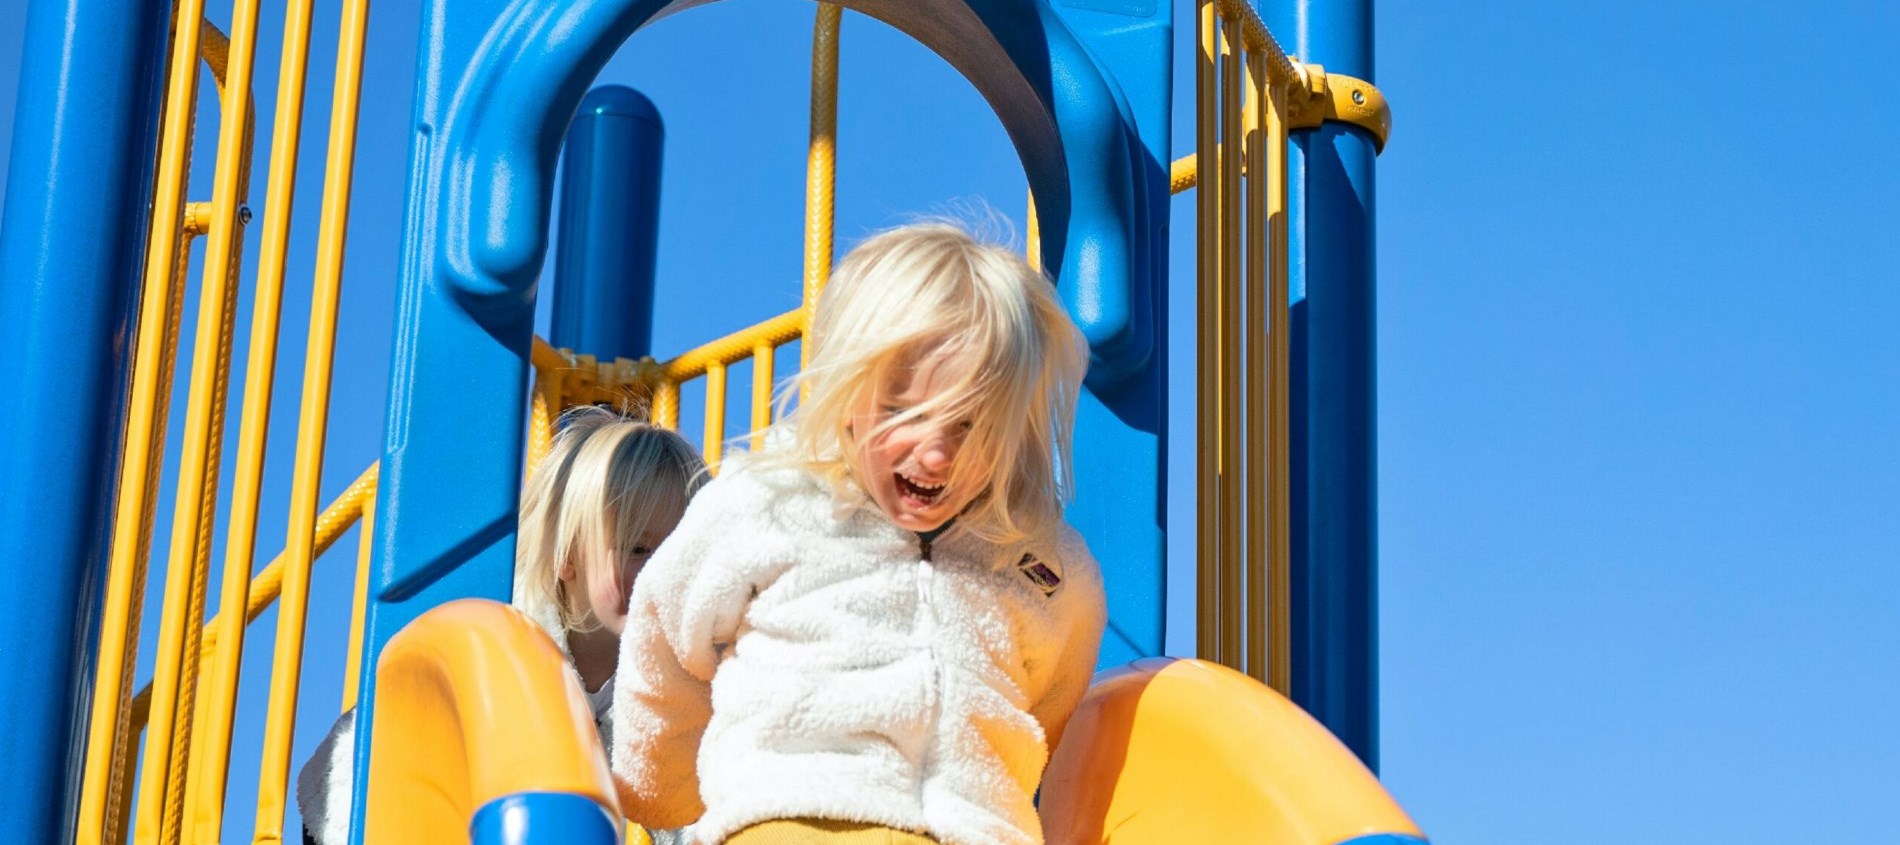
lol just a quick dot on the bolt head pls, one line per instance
(1358, 97)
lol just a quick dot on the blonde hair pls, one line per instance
(602, 480)
(932, 289)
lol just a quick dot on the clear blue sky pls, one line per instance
(1639, 428)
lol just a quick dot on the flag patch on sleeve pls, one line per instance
(1039, 574)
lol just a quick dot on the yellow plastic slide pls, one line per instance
(482, 734)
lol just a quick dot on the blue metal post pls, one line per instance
(1334, 428)
(71, 249)
(610, 223)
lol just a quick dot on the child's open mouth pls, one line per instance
(920, 494)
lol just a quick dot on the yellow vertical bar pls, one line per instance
(1231, 281)
(821, 160)
(1207, 387)
(210, 773)
(299, 543)
(1032, 249)
(1279, 437)
(107, 768)
(666, 405)
(714, 443)
(120, 624)
(1257, 366)
(543, 412)
(764, 363)
(359, 602)
(160, 782)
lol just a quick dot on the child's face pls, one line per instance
(906, 468)
(607, 601)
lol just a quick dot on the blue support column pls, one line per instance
(1121, 432)
(71, 247)
(610, 223)
(1334, 425)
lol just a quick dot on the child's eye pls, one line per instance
(641, 551)
(965, 426)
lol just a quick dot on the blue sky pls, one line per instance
(1639, 429)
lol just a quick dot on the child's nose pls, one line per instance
(938, 455)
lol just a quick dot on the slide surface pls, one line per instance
(482, 734)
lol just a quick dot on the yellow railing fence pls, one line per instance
(1240, 167)
(185, 714)
(1248, 96)
(187, 709)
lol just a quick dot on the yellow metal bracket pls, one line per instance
(1336, 96)
(621, 382)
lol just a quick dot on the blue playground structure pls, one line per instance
(1269, 736)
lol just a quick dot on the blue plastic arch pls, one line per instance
(498, 83)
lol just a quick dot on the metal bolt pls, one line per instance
(244, 210)
(1358, 97)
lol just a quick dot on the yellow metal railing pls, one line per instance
(1248, 95)
(189, 704)
(185, 714)
(1243, 81)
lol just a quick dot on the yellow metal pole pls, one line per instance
(274, 771)
(1279, 437)
(1257, 367)
(1207, 387)
(714, 442)
(821, 160)
(160, 800)
(1183, 173)
(1032, 249)
(210, 773)
(764, 364)
(359, 602)
(167, 248)
(1231, 281)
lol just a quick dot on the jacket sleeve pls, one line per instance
(685, 609)
(1080, 615)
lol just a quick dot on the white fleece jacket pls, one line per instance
(788, 655)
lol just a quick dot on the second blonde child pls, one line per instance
(610, 489)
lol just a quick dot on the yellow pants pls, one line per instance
(824, 832)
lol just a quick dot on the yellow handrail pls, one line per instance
(353, 504)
